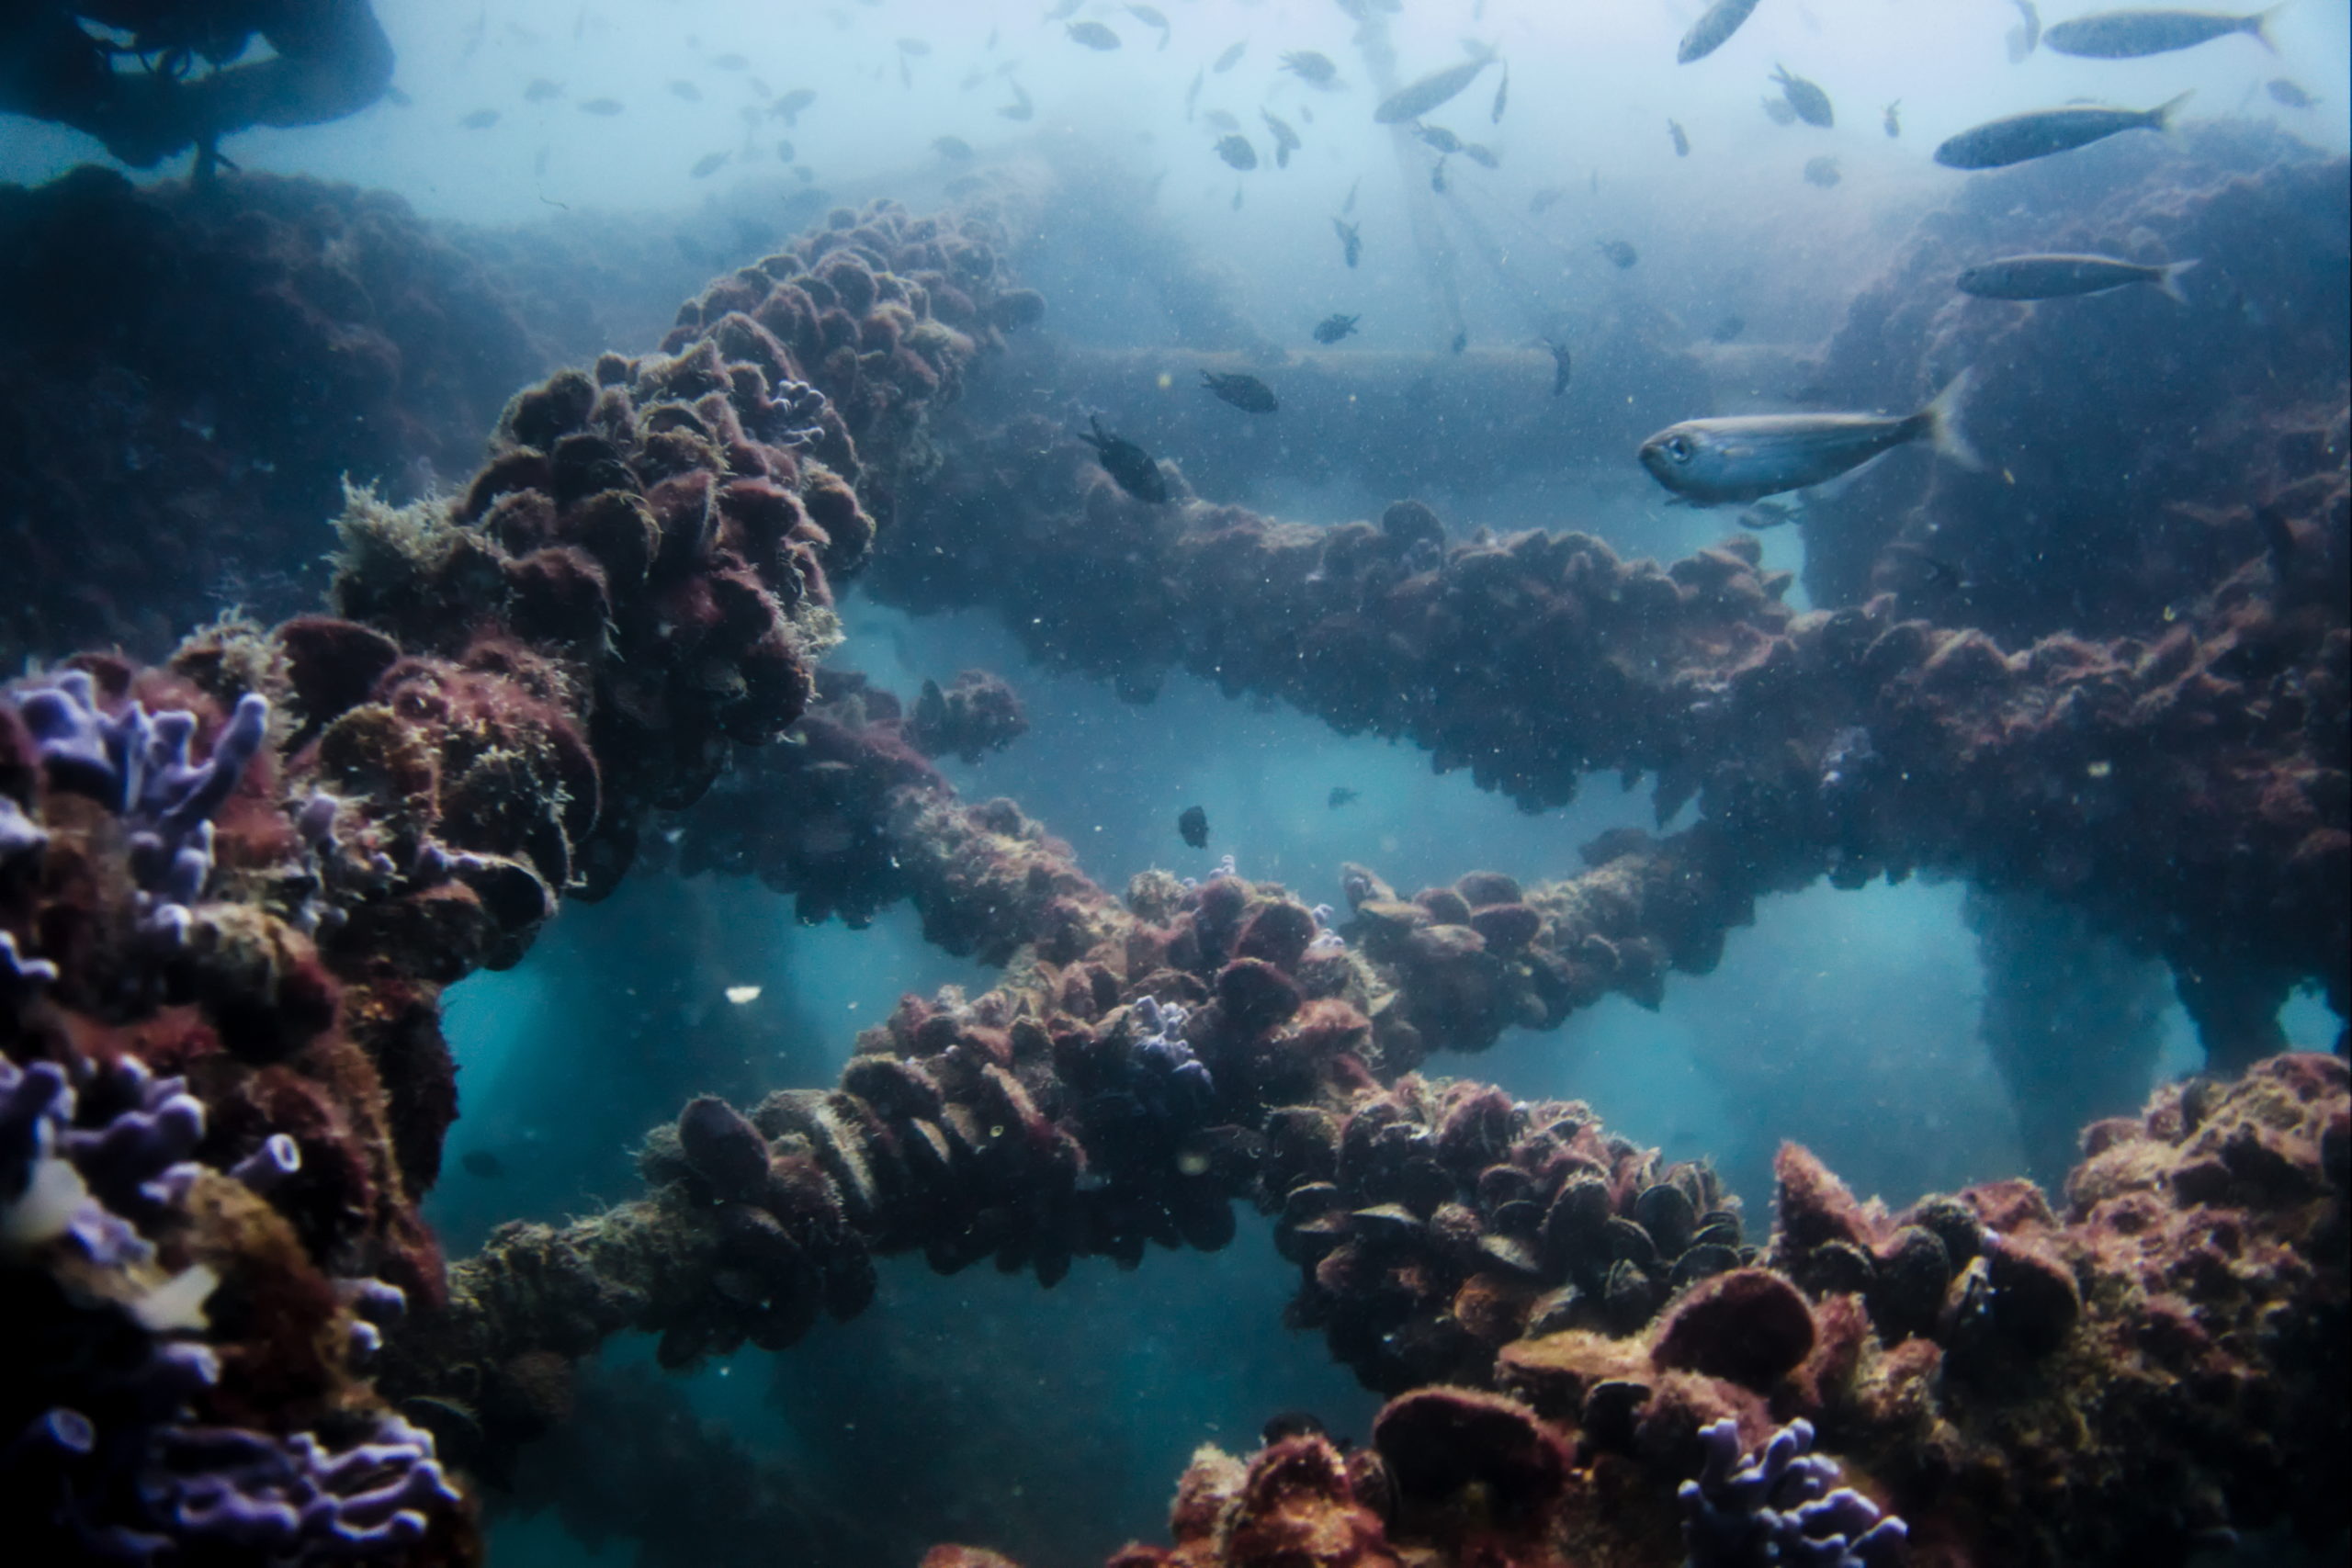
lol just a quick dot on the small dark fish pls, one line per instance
(788, 108)
(1349, 205)
(1728, 329)
(1433, 91)
(1543, 200)
(707, 165)
(1193, 93)
(783, 152)
(1193, 823)
(1438, 137)
(1218, 119)
(480, 120)
(1711, 32)
(2038, 133)
(1767, 513)
(1806, 97)
(1021, 107)
(1129, 466)
(1150, 17)
(1620, 254)
(605, 106)
(2026, 37)
(1334, 327)
(1823, 172)
(1245, 392)
(1502, 98)
(483, 1164)
(905, 75)
(955, 148)
(1315, 70)
(1230, 58)
(1437, 176)
(1094, 35)
(1460, 340)
(1481, 154)
(1237, 151)
(1894, 120)
(2283, 91)
(541, 90)
(2131, 34)
(1285, 139)
(2062, 277)
(730, 63)
(1351, 240)
(1341, 796)
(1780, 111)
(1750, 457)
(1682, 142)
(914, 48)
(1559, 366)
(688, 91)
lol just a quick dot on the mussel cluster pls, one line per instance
(1433, 1225)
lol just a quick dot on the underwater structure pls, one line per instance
(236, 881)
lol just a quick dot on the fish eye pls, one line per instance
(1678, 448)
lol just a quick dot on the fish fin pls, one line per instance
(2169, 278)
(2160, 117)
(2258, 24)
(1944, 430)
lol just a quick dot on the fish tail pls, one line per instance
(2168, 278)
(2258, 24)
(2160, 117)
(1942, 420)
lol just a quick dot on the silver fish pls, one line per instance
(1894, 119)
(1193, 93)
(1351, 240)
(1285, 139)
(1481, 154)
(1230, 58)
(1094, 35)
(1021, 107)
(1682, 142)
(1710, 462)
(1711, 31)
(2130, 35)
(1806, 97)
(1438, 137)
(1237, 151)
(1313, 68)
(2014, 138)
(1416, 99)
(1502, 98)
(1823, 172)
(2027, 35)
(2059, 277)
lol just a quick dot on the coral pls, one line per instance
(1777, 1507)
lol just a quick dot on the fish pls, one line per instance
(2134, 34)
(1129, 466)
(1620, 254)
(1543, 200)
(483, 1164)
(759, 89)
(1236, 151)
(1502, 98)
(905, 75)
(955, 148)
(1559, 366)
(1727, 330)
(1334, 327)
(1713, 31)
(783, 152)
(1285, 139)
(1769, 513)
(2062, 277)
(1894, 120)
(541, 90)
(913, 46)
(1341, 796)
(1682, 142)
(688, 91)
(1313, 68)
(707, 165)
(539, 162)
(1438, 137)
(1460, 340)
(397, 98)
(1433, 91)
(1351, 240)
(1806, 97)
(2026, 36)
(1229, 58)
(1020, 108)
(1192, 825)
(1481, 154)
(1823, 172)
(788, 108)
(1151, 17)
(728, 61)
(1094, 35)
(1236, 195)
(1064, 10)
(2290, 94)
(1437, 176)
(480, 120)
(1244, 392)
(606, 106)
(1780, 111)
(1193, 93)
(1349, 205)
(1220, 120)
(2038, 133)
(1748, 457)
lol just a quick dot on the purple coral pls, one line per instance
(290, 1500)
(134, 1162)
(1776, 1507)
(1173, 1081)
